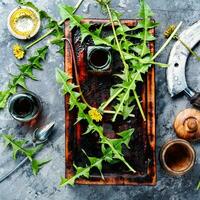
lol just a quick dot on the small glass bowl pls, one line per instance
(23, 22)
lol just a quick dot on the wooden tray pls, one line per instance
(95, 89)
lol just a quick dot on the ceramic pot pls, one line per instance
(177, 157)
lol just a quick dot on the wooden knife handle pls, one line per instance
(195, 100)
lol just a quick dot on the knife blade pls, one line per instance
(176, 78)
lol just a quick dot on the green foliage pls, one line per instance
(58, 39)
(111, 148)
(198, 185)
(18, 147)
(38, 164)
(136, 57)
(107, 156)
(25, 71)
(66, 12)
(136, 68)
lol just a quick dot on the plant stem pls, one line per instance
(112, 98)
(39, 39)
(187, 47)
(139, 105)
(52, 30)
(76, 74)
(167, 42)
(113, 112)
(126, 93)
(118, 156)
(117, 41)
(198, 186)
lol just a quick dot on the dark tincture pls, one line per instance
(99, 58)
(25, 106)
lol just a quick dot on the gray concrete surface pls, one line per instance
(23, 185)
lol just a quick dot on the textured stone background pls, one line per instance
(23, 185)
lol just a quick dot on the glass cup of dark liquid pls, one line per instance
(25, 106)
(99, 58)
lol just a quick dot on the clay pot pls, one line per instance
(187, 124)
(177, 157)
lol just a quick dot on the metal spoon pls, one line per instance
(40, 135)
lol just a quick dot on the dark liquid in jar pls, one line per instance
(99, 58)
(23, 107)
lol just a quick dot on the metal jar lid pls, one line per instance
(23, 22)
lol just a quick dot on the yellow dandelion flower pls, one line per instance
(169, 31)
(95, 115)
(18, 51)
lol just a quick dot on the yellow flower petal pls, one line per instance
(169, 31)
(95, 115)
(18, 51)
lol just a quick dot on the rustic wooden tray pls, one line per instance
(96, 89)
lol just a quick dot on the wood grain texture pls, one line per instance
(187, 124)
(73, 134)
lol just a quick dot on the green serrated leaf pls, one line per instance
(146, 14)
(145, 11)
(89, 130)
(70, 181)
(37, 165)
(21, 82)
(60, 43)
(42, 52)
(4, 95)
(61, 77)
(27, 3)
(33, 150)
(127, 110)
(17, 145)
(66, 12)
(26, 71)
(139, 48)
(126, 136)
